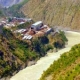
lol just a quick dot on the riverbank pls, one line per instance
(34, 72)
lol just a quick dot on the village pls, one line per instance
(36, 29)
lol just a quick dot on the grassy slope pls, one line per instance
(65, 68)
(14, 54)
(64, 13)
(9, 63)
(20, 48)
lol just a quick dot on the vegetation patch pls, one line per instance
(66, 60)
(16, 53)
(15, 10)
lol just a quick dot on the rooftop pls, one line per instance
(37, 23)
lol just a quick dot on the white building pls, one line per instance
(37, 25)
(20, 31)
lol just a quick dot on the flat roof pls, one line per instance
(37, 23)
(27, 37)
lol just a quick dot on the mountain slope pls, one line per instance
(15, 54)
(8, 3)
(13, 57)
(65, 68)
(14, 10)
(64, 13)
(9, 63)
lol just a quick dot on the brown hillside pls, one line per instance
(64, 13)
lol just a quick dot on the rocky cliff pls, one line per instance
(61, 13)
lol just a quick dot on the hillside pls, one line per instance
(65, 68)
(9, 63)
(15, 54)
(14, 10)
(61, 13)
(12, 7)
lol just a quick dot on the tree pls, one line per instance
(44, 40)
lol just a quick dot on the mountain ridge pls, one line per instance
(64, 13)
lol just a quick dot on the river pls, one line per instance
(34, 72)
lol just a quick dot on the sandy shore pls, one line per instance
(34, 72)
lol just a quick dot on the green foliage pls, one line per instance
(7, 33)
(15, 53)
(65, 60)
(9, 19)
(57, 44)
(6, 69)
(44, 40)
(73, 73)
(25, 25)
(20, 53)
(62, 34)
(48, 47)
(39, 45)
(60, 40)
(15, 9)
(21, 50)
(1, 13)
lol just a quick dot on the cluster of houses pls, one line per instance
(37, 29)
(13, 21)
